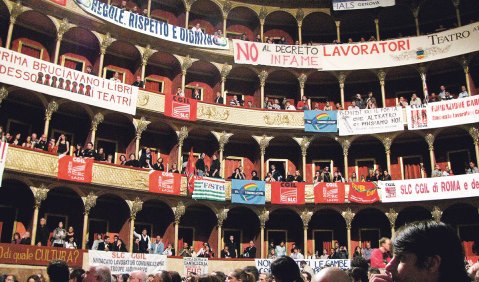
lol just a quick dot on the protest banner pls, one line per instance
(195, 265)
(287, 193)
(164, 182)
(329, 193)
(248, 192)
(75, 169)
(363, 192)
(263, 265)
(33, 255)
(320, 121)
(343, 5)
(120, 262)
(207, 188)
(180, 107)
(370, 121)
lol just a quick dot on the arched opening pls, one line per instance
(328, 87)
(280, 24)
(282, 84)
(244, 83)
(365, 154)
(161, 138)
(318, 28)
(369, 225)
(149, 218)
(323, 152)
(436, 15)
(445, 72)
(356, 24)
(284, 225)
(170, 11)
(201, 141)
(163, 73)
(116, 134)
(242, 20)
(469, 10)
(204, 77)
(79, 48)
(326, 227)
(241, 150)
(285, 154)
(4, 22)
(396, 22)
(465, 219)
(454, 149)
(198, 226)
(208, 14)
(361, 82)
(411, 214)
(409, 156)
(402, 82)
(123, 58)
(68, 114)
(243, 224)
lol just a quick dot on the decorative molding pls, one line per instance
(141, 125)
(263, 217)
(179, 211)
(221, 216)
(263, 75)
(17, 10)
(348, 216)
(306, 216)
(62, 28)
(51, 108)
(225, 71)
(387, 142)
(106, 41)
(224, 139)
(143, 98)
(392, 215)
(186, 64)
(263, 12)
(227, 6)
(299, 15)
(89, 202)
(147, 53)
(3, 93)
(263, 142)
(211, 112)
(287, 119)
(27, 161)
(430, 141)
(302, 80)
(381, 76)
(182, 135)
(436, 213)
(97, 119)
(39, 194)
(474, 132)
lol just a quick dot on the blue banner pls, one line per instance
(249, 192)
(320, 121)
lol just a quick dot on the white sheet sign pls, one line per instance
(369, 121)
(263, 265)
(196, 265)
(120, 262)
(428, 189)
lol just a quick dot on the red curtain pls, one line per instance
(363, 243)
(153, 86)
(412, 171)
(468, 248)
(172, 158)
(230, 166)
(30, 51)
(327, 245)
(70, 64)
(362, 171)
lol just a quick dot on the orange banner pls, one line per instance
(75, 169)
(329, 193)
(164, 182)
(287, 193)
(33, 255)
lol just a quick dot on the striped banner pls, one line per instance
(3, 159)
(207, 188)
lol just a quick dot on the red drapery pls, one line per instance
(230, 165)
(362, 171)
(30, 51)
(468, 248)
(151, 85)
(327, 245)
(70, 64)
(412, 171)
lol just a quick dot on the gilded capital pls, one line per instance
(376, 21)
(342, 79)
(147, 53)
(17, 10)
(387, 142)
(107, 40)
(299, 15)
(305, 142)
(436, 213)
(415, 12)
(348, 216)
(39, 194)
(3, 94)
(430, 141)
(263, 13)
(221, 216)
(62, 28)
(182, 135)
(263, 144)
(135, 207)
(263, 218)
(422, 69)
(306, 216)
(141, 125)
(224, 139)
(89, 202)
(186, 64)
(263, 75)
(51, 108)
(392, 215)
(302, 80)
(381, 76)
(338, 23)
(179, 211)
(225, 71)
(345, 144)
(227, 6)
(464, 60)
(97, 119)
(474, 132)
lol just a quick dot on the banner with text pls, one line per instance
(151, 26)
(3, 159)
(320, 121)
(263, 265)
(207, 188)
(329, 193)
(429, 189)
(363, 55)
(342, 5)
(47, 78)
(287, 193)
(75, 169)
(180, 107)
(363, 192)
(164, 182)
(33, 255)
(196, 265)
(444, 113)
(369, 121)
(248, 192)
(120, 263)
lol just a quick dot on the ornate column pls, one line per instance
(263, 142)
(149, 8)
(348, 216)
(97, 119)
(135, 207)
(392, 215)
(221, 217)
(3, 93)
(382, 82)
(262, 17)
(182, 135)
(64, 27)
(263, 75)
(376, 23)
(17, 9)
(474, 132)
(51, 108)
(306, 218)
(302, 81)
(422, 72)
(89, 202)
(185, 65)
(436, 213)
(458, 12)
(338, 31)
(39, 194)
(299, 19)
(147, 53)
(187, 12)
(226, 9)
(304, 144)
(225, 71)
(415, 13)
(105, 43)
(178, 212)
(430, 143)
(263, 218)
(387, 142)
(465, 65)
(223, 140)
(140, 125)
(342, 79)
(345, 144)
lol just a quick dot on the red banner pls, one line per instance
(164, 182)
(287, 193)
(33, 255)
(60, 2)
(180, 107)
(75, 169)
(329, 193)
(363, 192)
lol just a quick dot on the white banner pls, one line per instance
(352, 122)
(120, 263)
(366, 55)
(47, 78)
(444, 113)
(3, 159)
(195, 265)
(151, 26)
(341, 5)
(263, 265)
(428, 189)
(207, 188)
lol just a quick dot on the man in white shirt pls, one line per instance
(463, 93)
(415, 101)
(179, 92)
(289, 107)
(442, 93)
(296, 254)
(276, 105)
(197, 27)
(115, 77)
(353, 106)
(280, 249)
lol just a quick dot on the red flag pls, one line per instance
(363, 192)
(190, 172)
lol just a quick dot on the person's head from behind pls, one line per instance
(11, 278)
(358, 274)
(76, 275)
(98, 274)
(35, 278)
(253, 270)
(306, 276)
(427, 251)
(240, 275)
(360, 262)
(58, 271)
(331, 274)
(285, 269)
